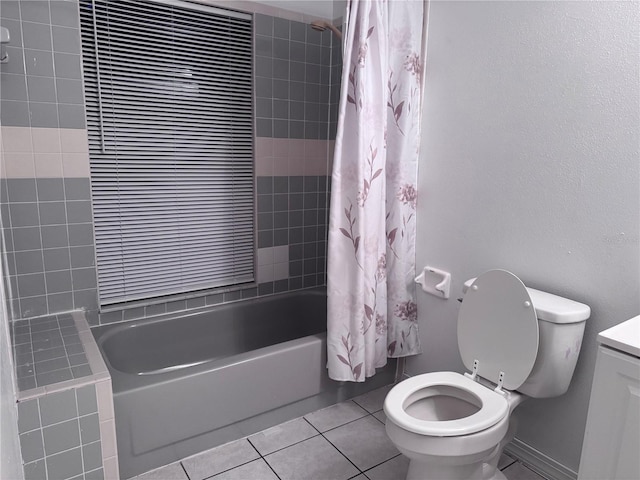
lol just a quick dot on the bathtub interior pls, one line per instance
(171, 343)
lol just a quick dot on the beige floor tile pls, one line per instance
(281, 436)
(364, 442)
(217, 460)
(314, 458)
(335, 415)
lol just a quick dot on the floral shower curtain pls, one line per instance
(372, 226)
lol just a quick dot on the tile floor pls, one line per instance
(344, 441)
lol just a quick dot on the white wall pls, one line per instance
(530, 163)
(10, 458)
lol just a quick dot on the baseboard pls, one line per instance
(539, 462)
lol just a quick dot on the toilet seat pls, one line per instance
(492, 407)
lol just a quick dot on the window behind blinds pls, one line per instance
(168, 89)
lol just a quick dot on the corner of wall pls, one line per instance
(10, 456)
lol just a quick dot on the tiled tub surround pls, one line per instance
(67, 428)
(219, 374)
(45, 206)
(42, 82)
(48, 350)
(292, 79)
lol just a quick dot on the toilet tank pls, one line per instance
(561, 326)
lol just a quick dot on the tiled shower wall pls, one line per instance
(45, 204)
(44, 187)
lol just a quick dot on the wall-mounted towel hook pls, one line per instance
(4, 40)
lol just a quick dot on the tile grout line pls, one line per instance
(348, 459)
(264, 459)
(381, 463)
(184, 470)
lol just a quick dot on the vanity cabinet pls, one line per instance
(611, 448)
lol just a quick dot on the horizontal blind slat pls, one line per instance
(170, 125)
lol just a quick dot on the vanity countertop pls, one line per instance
(624, 336)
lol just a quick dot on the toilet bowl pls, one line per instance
(454, 426)
(446, 424)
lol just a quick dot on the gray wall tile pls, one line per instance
(59, 281)
(22, 190)
(64, 13)
(71, 116)
(69, 91)
(66, 40)
(56, 259)
(41, 89)
(56, 376)
(31, 285)
(95, 475)
(133, 313)
(39, 62)
(298, 31)
(67, 65)
(35, 470)
(280, 129)
(52, 213)
(81, 371)
(78, 359)
(28, 416)
(264, 66)
(264, 127)
(87, 299)
(92, 456)
(33, 307)
(58, 407)
(65, 465)
(43, 115)
(281, 28)
(87, 401)
(34, 11)
(31, 446)
(26, 383)
(13, 87)
(83, 278)
(281, 48)
(82, 256)
(50, 189)
(79, 211)
(14, 113)
(263, 24)
(61, 436)
(36, 35)
(296, 129)
(60, 302)
(50, 365)
(77, 188)
(29, 261)
(89, 428)
(81, 234)
(10, 9)
(54, 236)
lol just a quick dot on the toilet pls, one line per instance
(517, 342)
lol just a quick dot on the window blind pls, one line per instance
(168, 88)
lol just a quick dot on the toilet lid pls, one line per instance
(498, 326)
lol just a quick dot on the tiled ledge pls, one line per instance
(68, 428)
